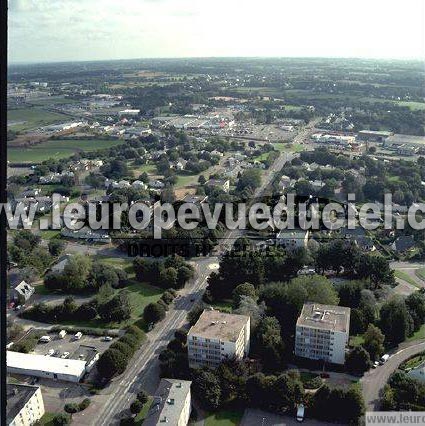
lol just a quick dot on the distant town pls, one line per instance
(222, 326)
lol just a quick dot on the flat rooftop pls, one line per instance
(325, 317)
(17, 397)
(218, 325)
(170, 398)
(376, 132)
(405, 139)
(49, 364)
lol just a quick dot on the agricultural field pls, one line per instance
(57, 149)
(32, 118)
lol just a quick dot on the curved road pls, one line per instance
(375, 379)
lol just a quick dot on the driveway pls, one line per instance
(375, 379)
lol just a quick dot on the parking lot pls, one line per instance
(76, 349)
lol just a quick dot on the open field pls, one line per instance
(31, 118)
(420, 273)
(57, 149)
(402, 275)
(420, 334)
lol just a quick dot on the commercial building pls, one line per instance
(373, 135)
(22, 292)
(70, 370)
(217, 336)
(24, 405)
(322, 332)
(172, 404)
(325, 138)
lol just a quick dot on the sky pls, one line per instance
(71, 30)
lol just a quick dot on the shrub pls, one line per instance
(135, 331)
(110, 363)
(125, 349)
(167, 297)
(84, 404)
(130, 340)
(153, 313)
(136, 406)
(61, 419)
(71, 408)
(314, 383)
(142, 396)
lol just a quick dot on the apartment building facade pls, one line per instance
(24, 405)
(217, 336)
(322, 332)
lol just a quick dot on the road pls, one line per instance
(374, 380)
(143, 372)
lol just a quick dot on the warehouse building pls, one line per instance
(69, 370)
(322, 332)
(217, 336)
(374, 135)
(24, 405)
(172, 404)
(397, 142)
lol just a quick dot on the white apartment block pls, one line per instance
(217, 336)
(24, 405)
(322, 332)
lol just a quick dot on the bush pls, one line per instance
(143, 397)
(130, 340)
(314, 383)
(84, 404)
(71, 408)
(167, 297)
(136, 406)
(163, 304)
(135, 331)
(61, 419)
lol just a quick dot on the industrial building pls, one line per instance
(24, 405)
(217, 336)
(405, 142)
(171, 405)
(322, 332)
(373, 135)
(70, 370)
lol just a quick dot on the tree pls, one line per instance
(374, 342)
(168, 278)
(250, 179)
(250, 308)
(358, 360)
(396, 322)
(416, 306)
(143, 397)
(136, 406)
(153, 313)
(206, 386)
(117, 309)
(61, 419)
(245, 289)
(110, 363)
(56, 246)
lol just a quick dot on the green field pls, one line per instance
(144, 412)
(406, 277)
(32, 118)
(420, 334)
(420, 273)
(57, 149)
(224, 418)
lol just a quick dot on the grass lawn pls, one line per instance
(223, 306)
(32, 118)
(420, 334)
(288, 147)
(224, 418)
(141, 416)
(413, 362)
(406, 277)
(58, 149)
(141, 294)
(420, 273)
(186, 180)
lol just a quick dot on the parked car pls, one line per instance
(375, 364)
(107, 339)
(44, 339)
(50, 352)
(78, 336)
(65, 355)
(300, 412)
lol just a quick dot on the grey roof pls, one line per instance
(325, 317)
(17, 397)
(218, 325)
(169, 401)
(403, 243)
(405, 139)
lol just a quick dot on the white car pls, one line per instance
(107, 338)
(50, 352)
(375, 364)
(65, 355)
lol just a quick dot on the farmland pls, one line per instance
(31, 118)
(57, 149)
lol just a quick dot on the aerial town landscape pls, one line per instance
(213, 213)
(234, 326)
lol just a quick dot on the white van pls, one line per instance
(62, 334)
(44, 339)
(78, 336)
(384, 359)
(300, 412)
